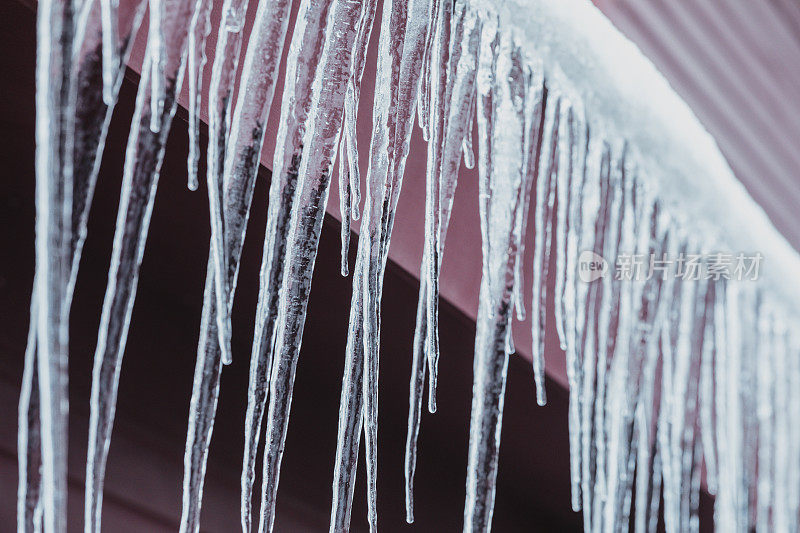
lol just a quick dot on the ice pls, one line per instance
(501, 96)
(304, 53)
(238, 182)
(463, 52)
(199, 29)
(202, 408)
(56, 94)
(313, 167)
(145, 152)
(88, 129)
(672, 381)
(349, 174)
(401, 48)
(223, 76)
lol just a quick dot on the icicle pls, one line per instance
(220, 103)
(707, 393)
(620, 389)
(140, 178)
(416, 390)
(586, 302)
(303, 57)
(563, 187)
(349, 173)
(56, 95)
(157, 52)
(436, 112)
(351, 104)
(460, 85)
(574, 369)
(344, 201)
(460, 74)
(241, 166)
(469, 153)
(203, 406)
(659, 371)
(534, 104)
(351, 415)
(89, 128)
(500, 93)
(199, 29)
(401, 49)
(29, 438)
(319, 143)
(423, 103)
(545, 198)
(110, 66)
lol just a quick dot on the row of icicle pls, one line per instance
(671, 383)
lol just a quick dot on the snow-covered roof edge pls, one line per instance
(588, 60)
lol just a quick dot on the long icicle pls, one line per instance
(351, 409)
(545, 194)
(29, 438)
(437, 116)
(349, 172)
(304, 52)
(461, 85)
(145, 152)
(319, 144)
(501, 87)
(240, 169)
(55, 109)
(401, 48)
(91, 124)
(89, 128)
(220, 104)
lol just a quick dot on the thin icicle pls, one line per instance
(345, 201)
(143, 159)
(563, 187)
(199, 29)
(351, 104)
(157, 53)
(500, 94)
(534, 105)
(91, 125)
(89, 128)
(319, 143)
(203, 406)
(241, 166)
(29, 439)
(349, 173)
(423, 103)
(401, 50)
(220, 104)
(238, 183)
(351, 415)
(416, 390)
(460, 85)
(469, 152)
(545, 197)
